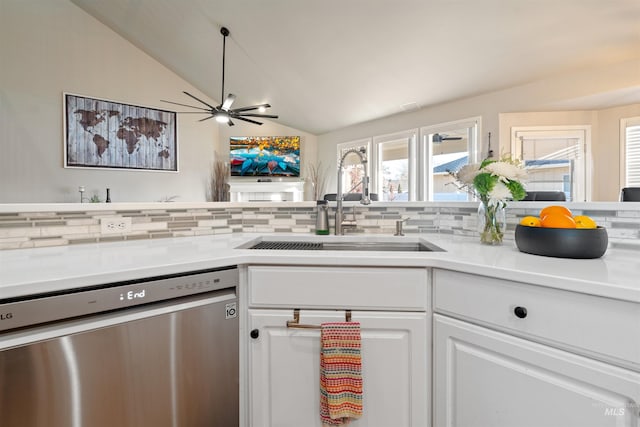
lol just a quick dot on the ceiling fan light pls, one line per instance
(222, 118)
(262, 109)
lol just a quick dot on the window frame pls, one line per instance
(376, 175)
(584, 187)
(624, 124)
(341, 148)
(425, 150)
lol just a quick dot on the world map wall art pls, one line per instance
(107, 134)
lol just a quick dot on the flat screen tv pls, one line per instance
(265, 156)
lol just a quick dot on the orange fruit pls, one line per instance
(583, 221)
(530, 221)
(558, 220)
(555, 209)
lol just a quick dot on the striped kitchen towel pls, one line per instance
(340, 373)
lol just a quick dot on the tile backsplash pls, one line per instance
(28, 229)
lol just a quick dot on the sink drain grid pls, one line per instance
(297, 246)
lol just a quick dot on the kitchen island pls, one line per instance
(455, 317)
(33, 271)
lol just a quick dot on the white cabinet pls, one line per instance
(510, 354)
(602, 328)
(488, 378)
(283, 363)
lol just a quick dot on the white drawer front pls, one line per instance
(601, 327)
(404, 289)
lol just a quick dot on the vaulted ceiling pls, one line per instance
(324, 65)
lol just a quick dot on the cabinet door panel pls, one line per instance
(486, 378)
(284, 369)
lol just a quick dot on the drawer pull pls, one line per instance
(520, 312)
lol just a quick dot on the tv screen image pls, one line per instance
(265, 156)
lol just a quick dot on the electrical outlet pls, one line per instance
(115, 225)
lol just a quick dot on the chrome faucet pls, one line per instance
(340, 222)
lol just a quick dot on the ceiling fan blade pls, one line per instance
(185, 105)
(226, 105)
(439, 137)
(199, 100)
(266, 116)
(252, 107)
(207, 118)
(247, 120)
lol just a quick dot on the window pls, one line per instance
(555, 158)
(630, 133)
(353, 169)
(413, 165)
(447, 147)
(394, 175)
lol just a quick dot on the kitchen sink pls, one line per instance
(344, 245)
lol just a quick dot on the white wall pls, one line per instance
(545, 95)
(48, 47)
(51, 47)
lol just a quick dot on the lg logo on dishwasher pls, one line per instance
(6, 316)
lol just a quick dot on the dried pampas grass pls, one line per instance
(317, 174)
(219, 191)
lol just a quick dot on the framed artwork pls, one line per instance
(107, 134)
(264, 156)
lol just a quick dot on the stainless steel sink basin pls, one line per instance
(347, 245)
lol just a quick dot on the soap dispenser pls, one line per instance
(322, 217)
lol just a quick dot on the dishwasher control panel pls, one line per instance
(79, 302)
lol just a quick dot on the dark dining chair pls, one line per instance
(350, 197)
(546, 196)
(630, 194)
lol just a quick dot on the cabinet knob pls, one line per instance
(255, 333)
(520, 312)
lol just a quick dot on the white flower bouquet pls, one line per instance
(493, 182)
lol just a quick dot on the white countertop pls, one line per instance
(42, 270)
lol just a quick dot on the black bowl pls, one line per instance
(562, 242)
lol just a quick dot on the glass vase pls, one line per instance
(492, 222)
(308, 190)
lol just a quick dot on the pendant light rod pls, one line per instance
(223, 112)
(225, 32)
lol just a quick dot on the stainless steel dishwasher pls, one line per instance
(157, 352)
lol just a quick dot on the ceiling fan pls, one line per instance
(438, 138)
(223, 113)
